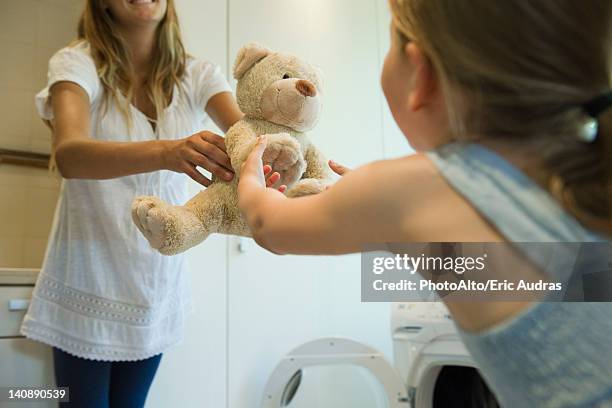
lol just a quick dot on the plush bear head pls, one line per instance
(279, 88)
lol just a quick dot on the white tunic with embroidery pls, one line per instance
(103, 293)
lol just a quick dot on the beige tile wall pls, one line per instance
(30, 32)
(27, 201)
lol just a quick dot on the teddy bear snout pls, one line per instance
(306, 88)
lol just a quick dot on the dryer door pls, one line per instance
(334, 373)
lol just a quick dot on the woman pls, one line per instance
(509, 106)
(120, 101)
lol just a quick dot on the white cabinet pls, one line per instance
(23, 363)
(278, 303)
(193, 374)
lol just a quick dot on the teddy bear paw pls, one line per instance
(306, 187)
(154, 219)
(284, 154)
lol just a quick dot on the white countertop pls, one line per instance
(18, 276)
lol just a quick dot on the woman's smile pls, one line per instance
(129, 12)
(141, 2)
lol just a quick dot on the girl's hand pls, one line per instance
(338, 168)
(273, 178)
(253, 176)
(204, 149)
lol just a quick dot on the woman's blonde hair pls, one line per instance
(524, 69)
(113, 62)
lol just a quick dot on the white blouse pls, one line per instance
(103, 293)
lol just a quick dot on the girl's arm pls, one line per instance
(77, 155)
(365, 206)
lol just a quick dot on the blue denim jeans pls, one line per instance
(104, 384)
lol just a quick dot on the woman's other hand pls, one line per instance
(204, 149)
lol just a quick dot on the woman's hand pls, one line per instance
(204, 149)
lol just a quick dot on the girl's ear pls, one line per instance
(423, 80)
(248, 56)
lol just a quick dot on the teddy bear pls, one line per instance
(280, 96)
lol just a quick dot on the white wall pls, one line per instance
(395, 144)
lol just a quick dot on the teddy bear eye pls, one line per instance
(286, 76)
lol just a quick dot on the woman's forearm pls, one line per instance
(77, 155)
(95, 159)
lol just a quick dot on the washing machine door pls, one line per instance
(334, 373)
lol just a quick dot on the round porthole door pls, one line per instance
(334, 373)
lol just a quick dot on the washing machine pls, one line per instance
(431, 367)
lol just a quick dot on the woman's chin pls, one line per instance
(150, 12)
(142, 19)
(148, 19)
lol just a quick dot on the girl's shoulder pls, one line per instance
(505, 196)
(430, 208)
(406, 200)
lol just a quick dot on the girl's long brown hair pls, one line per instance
(522, 70)
(113, 62)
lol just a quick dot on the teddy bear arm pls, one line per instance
(315, 178)
(239, 142)
(316, 164)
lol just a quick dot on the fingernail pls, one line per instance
(262, 138)
(333, 163)
(228, 176)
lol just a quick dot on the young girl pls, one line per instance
(496, 97)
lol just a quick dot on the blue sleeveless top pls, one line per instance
(553, 354)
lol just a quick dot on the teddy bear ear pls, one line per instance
(248, 56)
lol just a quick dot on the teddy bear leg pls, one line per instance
(231, 220)
(171, 229)
(305, 187)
